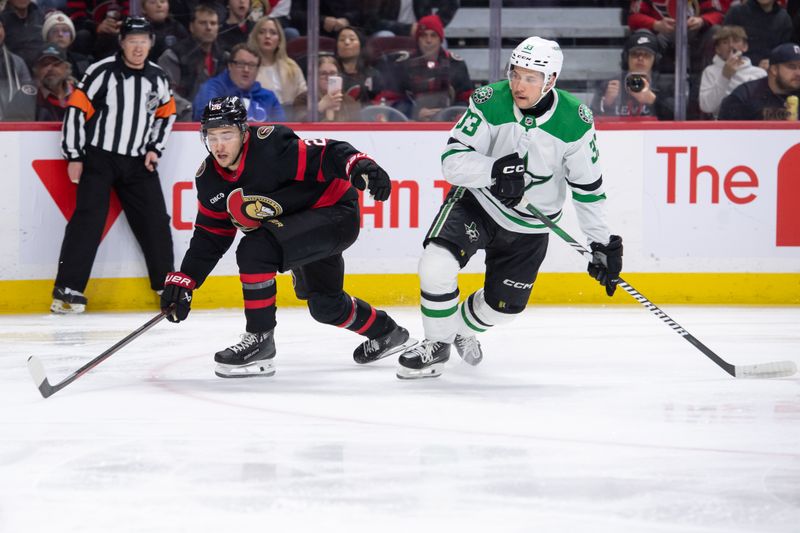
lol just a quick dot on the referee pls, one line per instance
(115, 128)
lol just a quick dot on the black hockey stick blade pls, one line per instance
(777, 369)
(47, 389)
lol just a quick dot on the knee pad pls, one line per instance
(330, 309)
(438, 270)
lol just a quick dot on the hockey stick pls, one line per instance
(40, 377)
(777, 369)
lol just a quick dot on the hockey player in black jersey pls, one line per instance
(295, 202)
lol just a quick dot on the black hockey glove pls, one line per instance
(508, 179)
(178, 293)
(364, 173)
(607, 263)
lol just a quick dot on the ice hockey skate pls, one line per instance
(424, 360)
(469, 349)
(67, 301)
(252, 357)
(396, 340)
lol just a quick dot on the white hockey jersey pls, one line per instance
(559, 149)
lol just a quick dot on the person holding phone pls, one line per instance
(334, 105)
(729, 68)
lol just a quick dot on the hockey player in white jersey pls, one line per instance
(520, 142)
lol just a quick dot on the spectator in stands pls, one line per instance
(240, 80)
(280, 10)
(46, 101)
(278, 72)
(237, 26)
(640, 91)
(432, 78)
(23, 22)
(398, 17)
(767, 25)
(14, 73)
(192, 61)
(765, 98)
(333, 106)
(183, 10)
(334, 15)
(658, 16)
(103, 26)
(729, 68)
(167, 29)
(58, 29)
(361, 81)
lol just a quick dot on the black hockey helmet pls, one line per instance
(224, 111)
(133, 25)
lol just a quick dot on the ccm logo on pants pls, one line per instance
(517, 284)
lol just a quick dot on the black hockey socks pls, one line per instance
(345, 311)
(259, 292)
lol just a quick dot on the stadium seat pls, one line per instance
(450, 114)
(382, 113)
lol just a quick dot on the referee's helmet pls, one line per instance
(133, 25)
(224, 111)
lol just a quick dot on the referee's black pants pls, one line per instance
(139, 192)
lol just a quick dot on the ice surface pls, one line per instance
(578, 419)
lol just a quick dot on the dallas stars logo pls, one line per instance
(482, 94)
(586, 114)
(472, 232)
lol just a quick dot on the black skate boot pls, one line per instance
(425, 360)
(249, 358)
(67, 301)
(396, 340)
(469, 349)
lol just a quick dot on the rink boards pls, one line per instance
(708, 215)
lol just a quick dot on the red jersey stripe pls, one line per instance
(219, 215)
(301, 160)
(332, 194)
(218, 231)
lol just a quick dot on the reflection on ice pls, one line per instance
(578, 419)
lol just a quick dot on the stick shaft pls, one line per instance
(47, 389)
(636, 295)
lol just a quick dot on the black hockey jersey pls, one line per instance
(280, 174)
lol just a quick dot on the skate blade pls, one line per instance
(433, 371)
(472, 361)
(60, 308)
(262, 369)
(410, 343)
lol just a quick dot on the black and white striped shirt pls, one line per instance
(119, 109)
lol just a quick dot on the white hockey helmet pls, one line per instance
(541, 55)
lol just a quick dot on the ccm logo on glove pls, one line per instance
(511, 169)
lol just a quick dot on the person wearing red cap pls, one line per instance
(432, 78)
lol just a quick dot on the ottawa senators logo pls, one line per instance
(247, 212)
(264, 131)
(201, 169)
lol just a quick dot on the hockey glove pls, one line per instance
(508, 179)
(607, 263)
(364, 173)
(178, 293)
